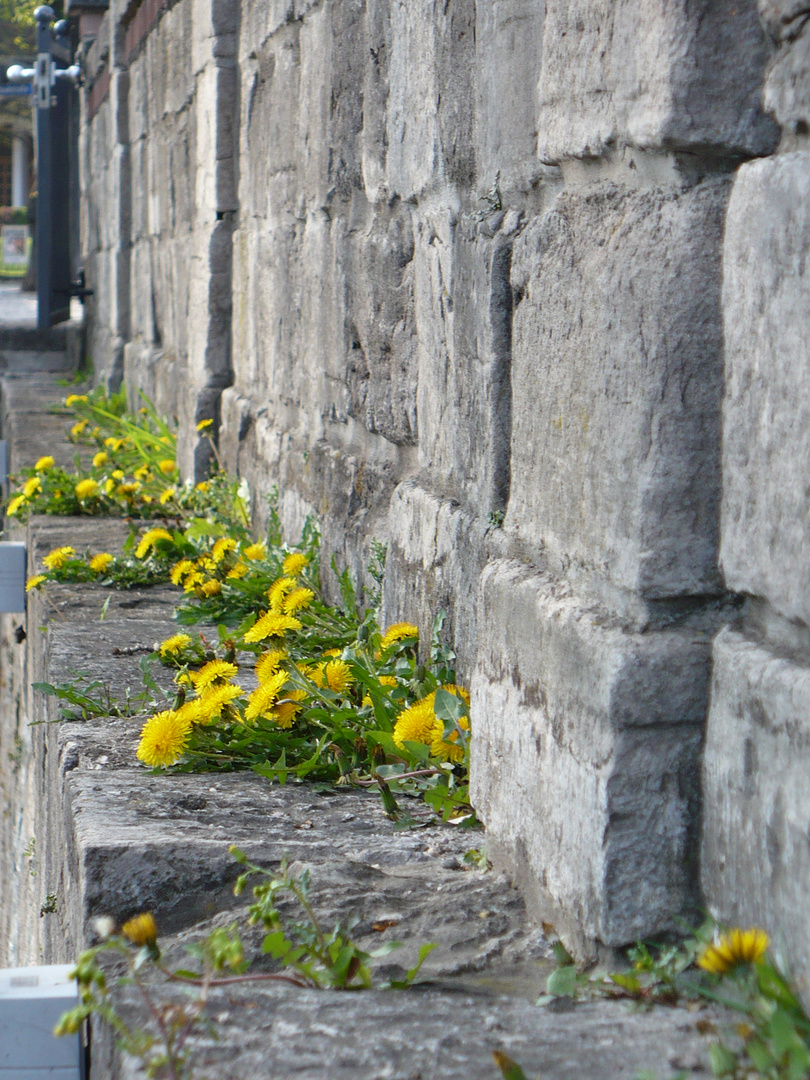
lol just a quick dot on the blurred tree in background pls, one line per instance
(17, 26)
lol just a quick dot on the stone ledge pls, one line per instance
(112, 838)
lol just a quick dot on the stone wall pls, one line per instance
(500, 283)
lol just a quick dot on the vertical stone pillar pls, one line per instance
(755, 857)
(596, 613)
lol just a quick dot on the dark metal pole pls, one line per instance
(44, 93)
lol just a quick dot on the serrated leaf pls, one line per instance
(562, 982)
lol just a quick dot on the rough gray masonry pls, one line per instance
(87, 832)
(519, 288)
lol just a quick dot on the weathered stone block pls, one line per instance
(783, 18)
(381, 366)
(765, 547)
(430, 96)
(681, 75)
(755, 860)
(330, 106)
(787, 88)
(508, 41)
(436, 552)
(616, 386)
(464, 334)
(585, 761)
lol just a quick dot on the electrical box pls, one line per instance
(31, 1001)
(13, 562)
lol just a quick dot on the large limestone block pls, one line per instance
(787, 88)
(436, 552)
(765, 546)
(616, 385)
(331, 101)
(215, 142)
(783, 18)
(755, 859)
(381, 367)
(682, 75)
(508, 41)
(430, 95)
(271, 79)
(464, 310)
(585, 761)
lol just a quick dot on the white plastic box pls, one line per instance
(31, 1001)
(13, 562)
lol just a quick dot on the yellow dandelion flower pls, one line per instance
(214, 700)
(262, 700)
(113, 444)
(100, 459)
(271, 625)
(193, 581)
(167, 466)
(294, 563)
(127, 490)
(174, 645)
(278, 590)
(288, 708)
(734, 949)
(44, 463)
(296, 600)
(417, 723)
(203, 424)
(338, 676)
(118, 474)
(166, 495)
(179, 570)
(75, 399)
(15, 504)
(205, 562)
(237, 572)
(35, 582)
(192, 711)
(213, 671)
(211, 588)
(383, 680)
(222, 548)
(78, 429)
(203, 486)
(447, 748)
(164, 739)
(268, 663)
(56, 559)
(142, 472)
(141, 930)
(150, 540)
(86, 489)
(397, 632)
(100, 562)
(32, 487)
(147, 499)
(108, 486)
(255, 551)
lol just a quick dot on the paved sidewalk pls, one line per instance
(17, 306)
